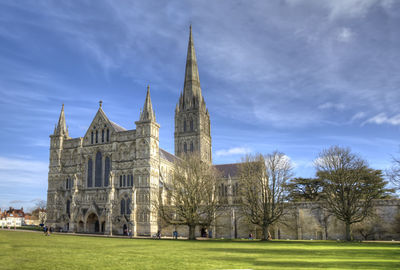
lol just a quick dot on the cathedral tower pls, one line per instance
(147, 170)
(192, 120)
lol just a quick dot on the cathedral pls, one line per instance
(109, 180)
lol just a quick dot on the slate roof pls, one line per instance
(117, 127)
(228, 169)
(167, 156)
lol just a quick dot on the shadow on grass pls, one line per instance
(353, 253)
(276, 264)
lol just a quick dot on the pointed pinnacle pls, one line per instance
(147, 113)
(61, 128)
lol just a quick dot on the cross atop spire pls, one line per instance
(61, 128)
(192, 96)
(147, 114)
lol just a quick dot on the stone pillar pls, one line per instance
(299, 235)
(111, 191)
(133, 214)
(108, 227)
(233, 222)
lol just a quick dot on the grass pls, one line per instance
(31, 250)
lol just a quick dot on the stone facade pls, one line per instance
(108, 181)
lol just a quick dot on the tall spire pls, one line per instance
(191, 87)
(61, 128)
(147, 114)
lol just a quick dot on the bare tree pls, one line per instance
(263, 188)
(39, 211)
(192, 195)
(41, 204)
(368, 227)
(394, 173)
(349, 185)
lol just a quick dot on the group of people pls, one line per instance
(158, 235)
(47, 231)
(128, 232)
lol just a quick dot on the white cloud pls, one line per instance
(357, 116)
(382, 118)
(330, 105)
(233, 151)
(345, 35)
(302, 163)
(349, 8)
(15, 172)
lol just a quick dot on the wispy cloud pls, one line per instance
(22, 180)
(382, 118)
(330, 105)
(233, 151)
(345, 35)
(358, 115)
(17, 173)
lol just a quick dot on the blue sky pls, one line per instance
(288, 75)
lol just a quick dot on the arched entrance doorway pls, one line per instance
(203, 232)
(92, 224)
(103, 226)
(80, 226)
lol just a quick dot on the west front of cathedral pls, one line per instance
(109, 180)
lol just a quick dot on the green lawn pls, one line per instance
(31, 250)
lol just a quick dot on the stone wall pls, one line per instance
(304, 221)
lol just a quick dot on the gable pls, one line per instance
(101, 129)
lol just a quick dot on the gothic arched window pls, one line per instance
(120, 180)
(107, 169)
(102, 135)
(91, 138)
(97, 136)
(68, 208)
(128, 206)
(191, 147)
(90, 173)
(124, 182)
(98, 170)
(184, 147)
(108, 135)
(184, 125)
(122, 207)
(191, 124)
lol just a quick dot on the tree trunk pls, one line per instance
(326, 231)
(192, 232)
(265, 233)
(348, 232)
